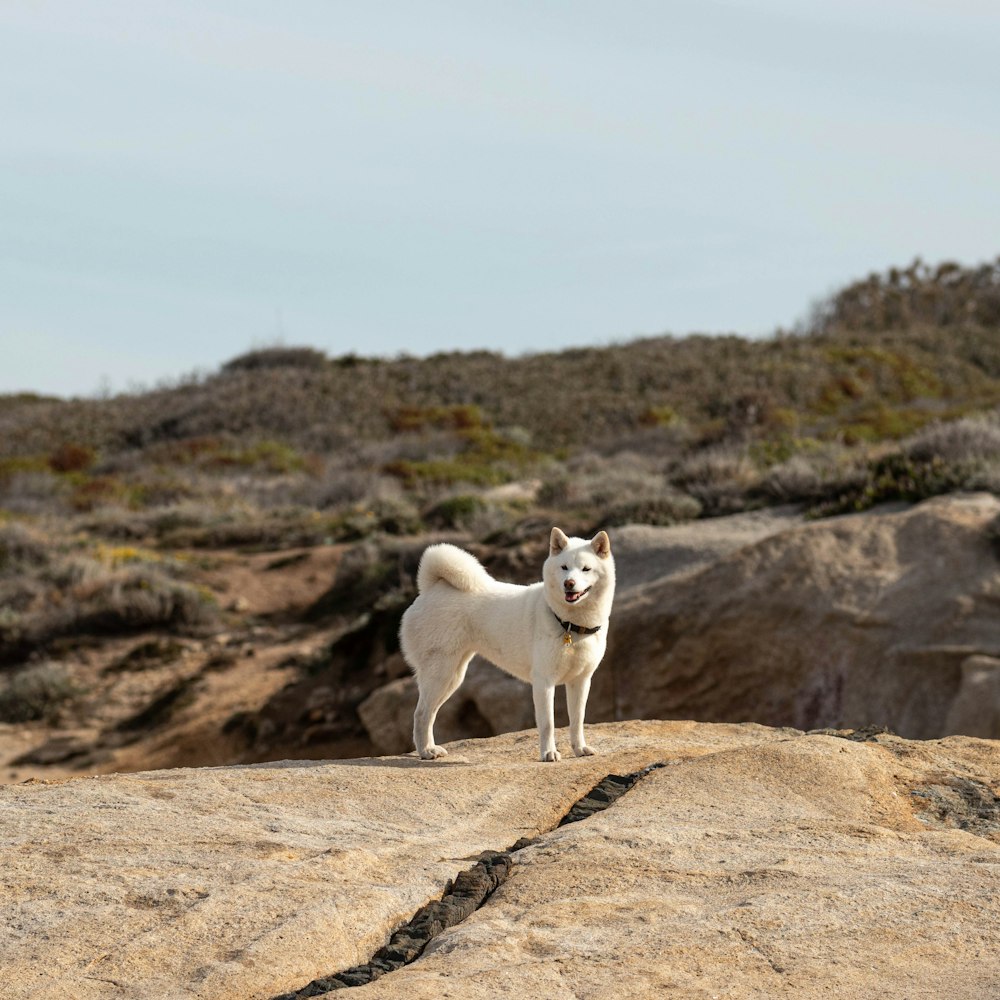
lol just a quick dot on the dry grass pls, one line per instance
(40, 691)
(55, 587)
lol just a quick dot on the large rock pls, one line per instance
(759, 862)
(864, 619)
(859, 620)
(488, 702)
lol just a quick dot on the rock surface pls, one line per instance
(757, 862)
(878, 618)
(859, 620)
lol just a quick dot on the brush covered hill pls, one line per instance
(236, 548)
(287, 426)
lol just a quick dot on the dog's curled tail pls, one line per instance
(453, 565)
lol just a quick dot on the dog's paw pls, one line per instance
(550, 755)
(584, 751)
(432, 752)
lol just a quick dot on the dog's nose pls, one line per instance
(569, 585)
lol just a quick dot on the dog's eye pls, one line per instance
(586, 569)
(564, 568)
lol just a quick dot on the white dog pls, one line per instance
(549, 633)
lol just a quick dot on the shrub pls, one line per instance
(90, 493)
(673, 508)
(897, 477)
(595, 481)
(39, 691)
(944, 295)
(139, 597)
(34, 492)
(268, 456)
(881, 422)
(366, 572)
(454, 512)
(19, 547)
(278, 357)
(468, 468)
(72, 458)
(393, 516)
(129, 600)
(659, 416)
(810, 477)
(251, 530)
(337, 487)
(722, 478)
(973, 439)
(12, 629)
(16, 464)
(417, 418)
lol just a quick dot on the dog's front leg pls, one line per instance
(576, 705)
(544, 696)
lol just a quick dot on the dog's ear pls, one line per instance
(601, 544)
(557, 542)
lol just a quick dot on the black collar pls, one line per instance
(579, 629)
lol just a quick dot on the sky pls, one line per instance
(182, 182)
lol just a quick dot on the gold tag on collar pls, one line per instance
(567, 639)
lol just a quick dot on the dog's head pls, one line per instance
(579, 576)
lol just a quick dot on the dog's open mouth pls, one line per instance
(572, 596)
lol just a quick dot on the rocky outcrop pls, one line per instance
(754, 862)
(860, 620)
(878, 618)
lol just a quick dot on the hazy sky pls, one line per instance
(181, 181)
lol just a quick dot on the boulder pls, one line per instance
(848, 622)
(487, 703)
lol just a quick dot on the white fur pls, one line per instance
(461, 610)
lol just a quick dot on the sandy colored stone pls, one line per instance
(644, 553)
(797, 868)
(758, 863)
(239, 882)
(855, 621)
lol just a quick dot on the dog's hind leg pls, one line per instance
(436, 686)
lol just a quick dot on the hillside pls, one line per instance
(720, 421)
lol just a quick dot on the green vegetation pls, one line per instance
(899, 477)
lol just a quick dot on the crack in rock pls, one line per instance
(462, 897)
(604, 794)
